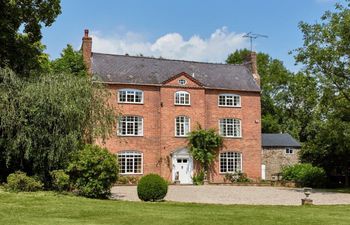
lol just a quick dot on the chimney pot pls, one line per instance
(86, 33)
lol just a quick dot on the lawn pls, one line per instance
(54, 209)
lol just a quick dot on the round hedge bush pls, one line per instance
(152, 187)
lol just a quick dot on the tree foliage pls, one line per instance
(204, 146)
(326, 50)
(71, 62)
(325, 54)
(46, 118)
(20, 24)
(93, 171)
(287, 99)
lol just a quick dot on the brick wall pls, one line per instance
(250, 142)
(159, 113)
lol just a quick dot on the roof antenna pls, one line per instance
(252, 36)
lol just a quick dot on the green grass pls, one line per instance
(54, 209)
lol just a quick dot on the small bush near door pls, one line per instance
(152, 188)
(198, 178)
(19, 181)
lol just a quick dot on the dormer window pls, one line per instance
(182, 82)
(130, 96)
(229, 100)
(182, 98)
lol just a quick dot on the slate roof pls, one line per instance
(279, 140)
(146, 70)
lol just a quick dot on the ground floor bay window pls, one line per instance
(230, 162)
(130, 162)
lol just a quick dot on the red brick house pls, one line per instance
(161, 100)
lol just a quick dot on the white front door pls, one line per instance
(182, 167)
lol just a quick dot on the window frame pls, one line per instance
(189, 126)
(233, 96)
(230, 172)
(289, 151)
(134, 153)
(185, 82)
(126, 94)
(231, 136)
(182, 92)
(129, 135)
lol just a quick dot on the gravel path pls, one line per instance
(221, 194)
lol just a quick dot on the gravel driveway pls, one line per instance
(221, 194)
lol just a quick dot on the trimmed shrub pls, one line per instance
(93, 171)
(19, 181)
(152, 187)
(60, 180)
(198, 178)
(305, 175)
(128, 180)
(237, 177)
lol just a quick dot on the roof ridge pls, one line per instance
(165, 59)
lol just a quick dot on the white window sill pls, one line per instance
(129, 135)
(229, 106)
(130, 173)
(182, 104)
(232, 137)
(131, 103)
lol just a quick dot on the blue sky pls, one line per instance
(199, 30)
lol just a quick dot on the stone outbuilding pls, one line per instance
(278, 150)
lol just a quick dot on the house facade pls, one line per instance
(279, 150)
(161, 100)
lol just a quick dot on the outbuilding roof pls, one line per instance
(279, 140)
(146, 70)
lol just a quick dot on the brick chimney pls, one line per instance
(86, 47)
(251, 61)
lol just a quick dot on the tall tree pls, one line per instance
(43, 119)
(288, 100)
(71, 61)
(20, 25)
(325, 54)
(326, 50)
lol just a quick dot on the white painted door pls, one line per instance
(263, 172)
(183, 169)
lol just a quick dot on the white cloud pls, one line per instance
(215, 48)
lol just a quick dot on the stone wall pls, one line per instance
(275, 159)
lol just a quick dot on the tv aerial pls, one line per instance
(252, 37)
